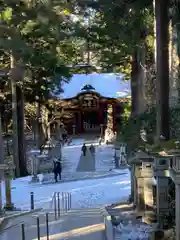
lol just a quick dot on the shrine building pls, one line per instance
(92, 103)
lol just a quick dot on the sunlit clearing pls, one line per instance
(122, 182)
(122, 206)
(75, 232)
(80, 145)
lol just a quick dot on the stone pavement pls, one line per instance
(77, 167)
(86, 163)
(104, 158)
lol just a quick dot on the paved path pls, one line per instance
(86, 163)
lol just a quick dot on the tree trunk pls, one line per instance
(40, 136)
(134, 83)
(14, 78)
(44, 116)
(162, 65)
(21, 137)
(142, 98)
(177, 26)
(38, 115)
(1, 158)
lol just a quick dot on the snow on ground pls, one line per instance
(90, 193)
(133, 231)
(93, 191)
(86, 193)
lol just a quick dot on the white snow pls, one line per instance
(85, 193)
(133, 231)
(88, 193)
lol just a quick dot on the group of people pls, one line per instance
(57, 166)
(91, 149)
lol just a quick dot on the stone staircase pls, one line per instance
(80, 224)
(76, 224)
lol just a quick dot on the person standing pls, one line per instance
(92, 149)
(84, 149)
(100, 141)
(57, 169)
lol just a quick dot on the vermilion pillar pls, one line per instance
(80, 127)
(101, 113)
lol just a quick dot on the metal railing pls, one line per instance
(40, 225)
(61, 203)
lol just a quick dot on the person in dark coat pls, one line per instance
(84, 149)
(92, 149)
(57, 169)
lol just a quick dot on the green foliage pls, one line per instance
(147, 121)
(127, 112)
(116, 29)
(175, 122)
(131, 129)
(165, 146)
(41, 35)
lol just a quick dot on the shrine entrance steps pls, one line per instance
(80, 224)
(76, 224)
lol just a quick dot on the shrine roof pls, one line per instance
(108, 85)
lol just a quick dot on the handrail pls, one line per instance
(60, 203)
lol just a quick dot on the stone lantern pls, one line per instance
(7, 171)
(34, 163)
(2, 169)
(161, 172)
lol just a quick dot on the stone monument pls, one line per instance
(33, 164)
(161, 172)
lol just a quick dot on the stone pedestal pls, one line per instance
(33, 157)
(148, 193)
(7, 171)
(175, 176)
(2, 168)
(177, 211)
(141, 180)
(162, 177)
(133, 184)
(147, 174)
(162, 199)
(9, 205)
(140, 188)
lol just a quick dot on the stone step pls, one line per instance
(80, 224)
(76, 224)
